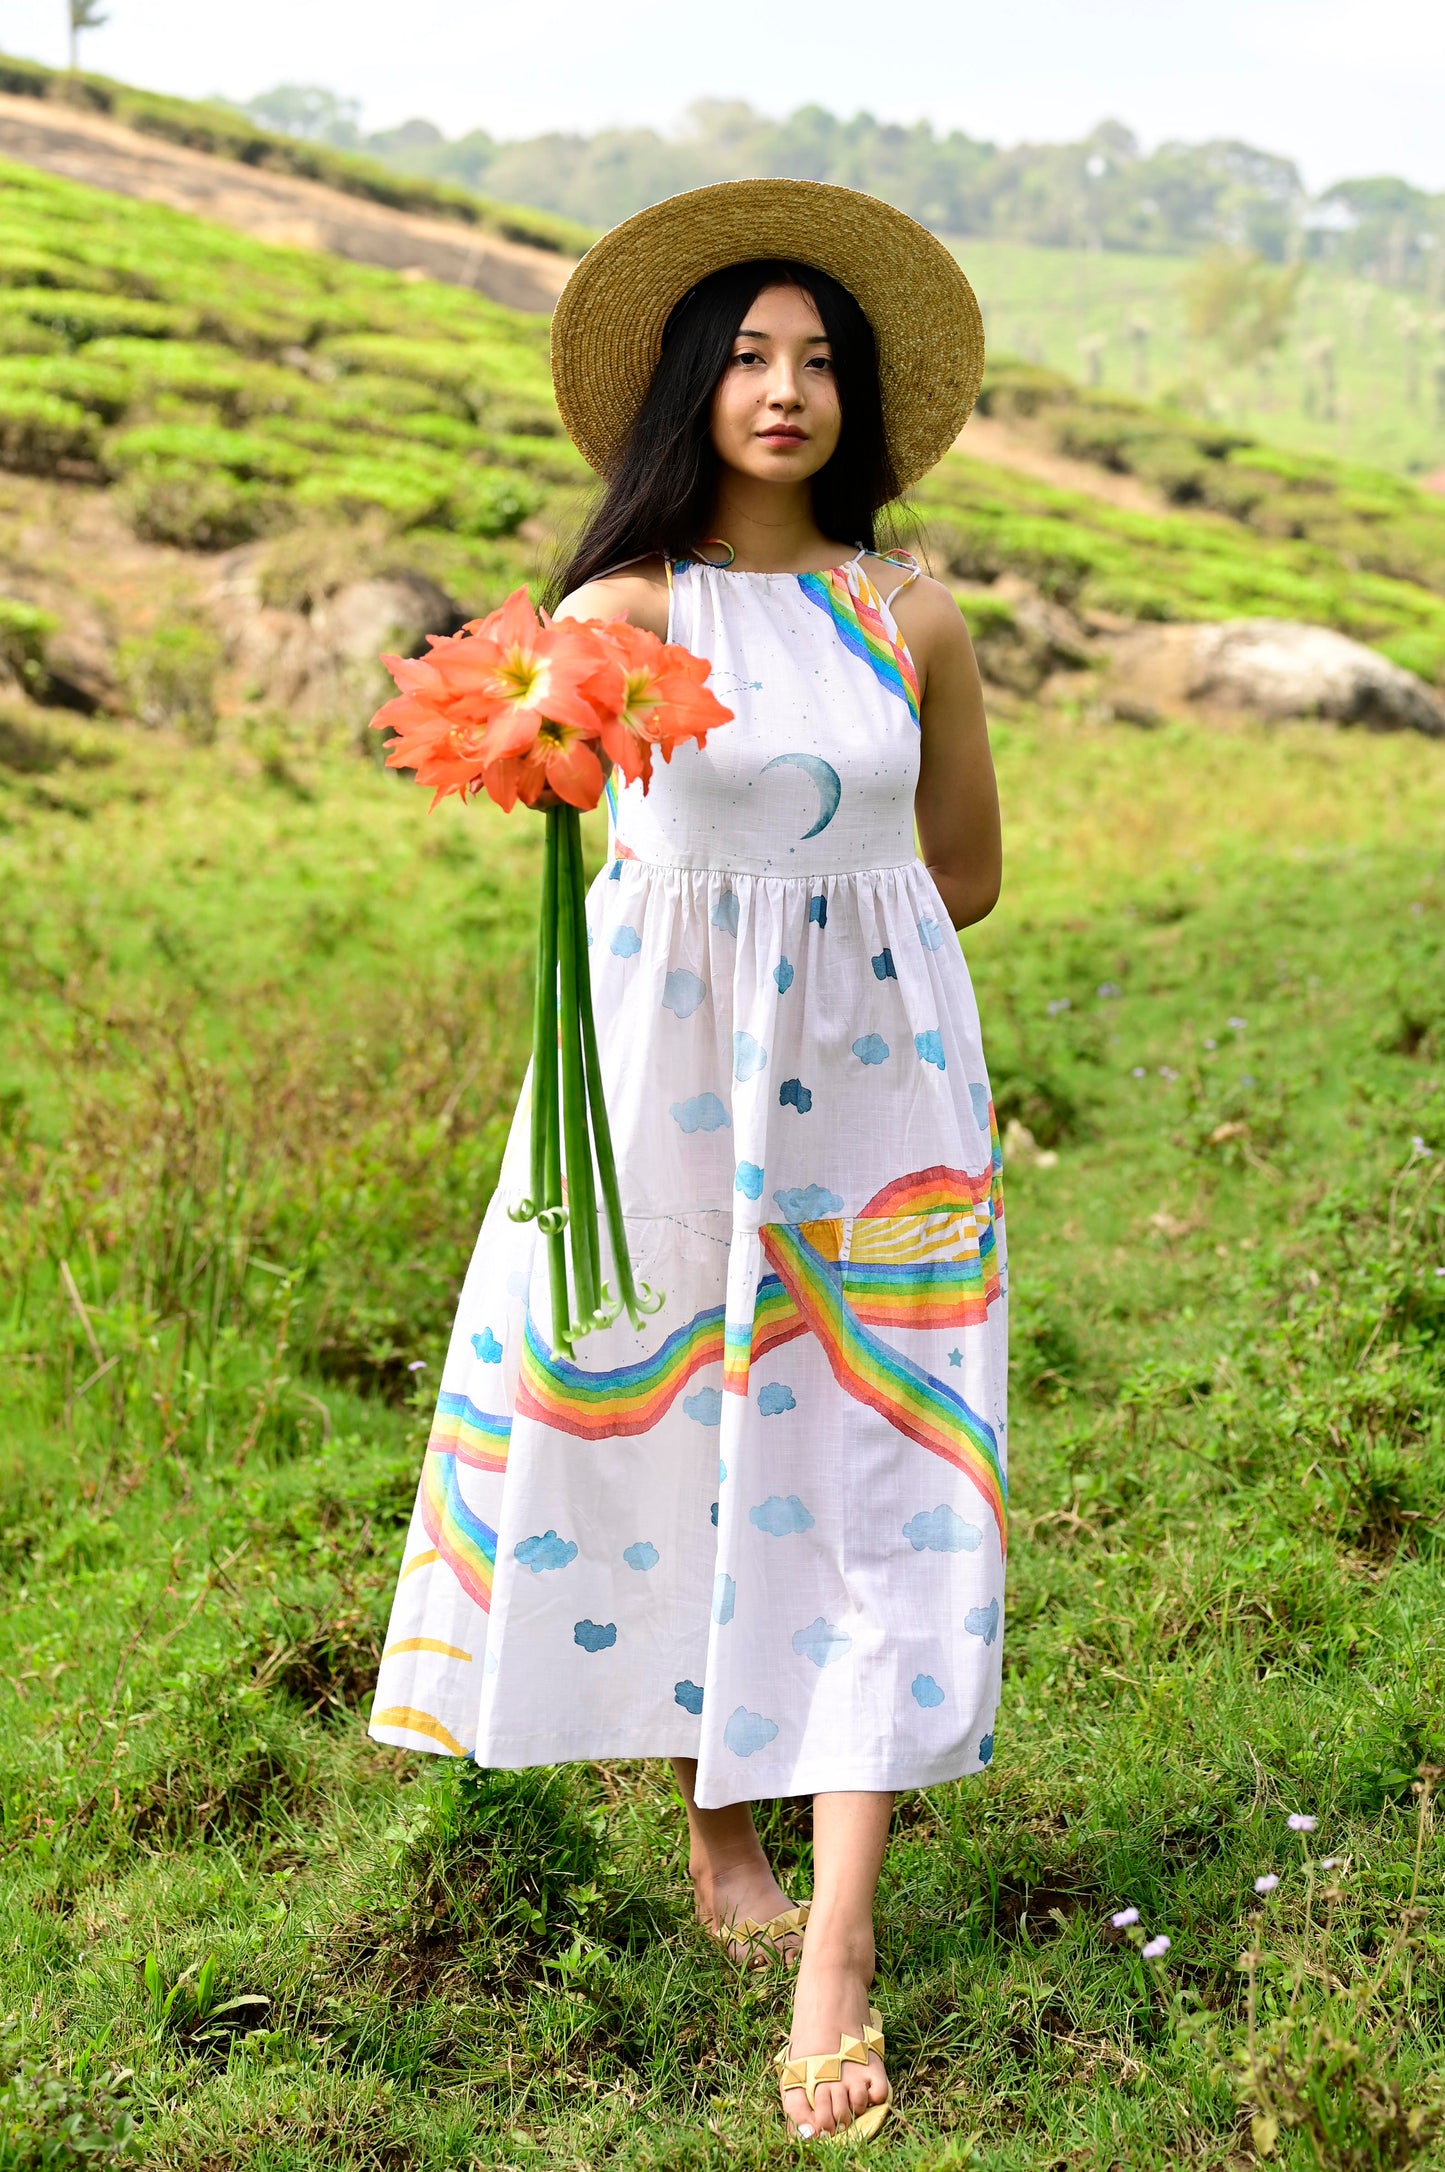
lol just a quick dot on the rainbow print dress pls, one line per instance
(768, 1530)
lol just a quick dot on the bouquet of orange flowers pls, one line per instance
(514, 705)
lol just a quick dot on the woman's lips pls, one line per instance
(784, 436)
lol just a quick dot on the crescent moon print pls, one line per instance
(824, 775)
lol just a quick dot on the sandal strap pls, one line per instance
(809, 2072)
(778, 1927)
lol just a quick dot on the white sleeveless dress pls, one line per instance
(767, 1530)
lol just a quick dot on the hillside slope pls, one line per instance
(280, 207)
(217, 394)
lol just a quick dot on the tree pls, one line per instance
(308, 110)
(84, 15)
(1242, 305)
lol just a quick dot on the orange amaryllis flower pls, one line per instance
(560, 757)
(663, 699)
(517, 672)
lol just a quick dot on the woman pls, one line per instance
(764, 1536)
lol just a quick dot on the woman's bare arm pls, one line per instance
(640, 591)
(957, 801)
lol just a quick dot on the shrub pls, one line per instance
(24, 631)
(43, 435)
(243, 453)
(169, 676)
(199, 509)
(100, 388)
(78, 317)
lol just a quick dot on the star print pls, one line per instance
(955, 1357)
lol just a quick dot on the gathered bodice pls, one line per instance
(816, 772)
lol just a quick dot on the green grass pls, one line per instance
(263, 1022)
(1045, 303)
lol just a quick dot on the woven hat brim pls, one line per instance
(607, 330)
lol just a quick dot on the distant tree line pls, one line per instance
(1101, 193)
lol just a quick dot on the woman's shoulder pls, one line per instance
(639, 590)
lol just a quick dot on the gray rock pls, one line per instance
(323, 664)
(1272, 668)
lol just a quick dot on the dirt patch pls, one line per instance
(1013, 445)
(277, 208)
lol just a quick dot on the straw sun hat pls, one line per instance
(607, 331)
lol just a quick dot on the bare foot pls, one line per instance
(732, 1889)
(831, 2002)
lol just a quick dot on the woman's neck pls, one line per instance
(770, 526)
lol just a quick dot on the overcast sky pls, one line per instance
(1345, 87)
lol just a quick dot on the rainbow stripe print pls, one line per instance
(911, 1399)
(466, 1544)
(624, 1400)
(922, 1254)
(473, 1436)
(856, 609)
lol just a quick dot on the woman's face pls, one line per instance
(775, 414)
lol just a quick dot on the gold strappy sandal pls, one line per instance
(806, 2074)
(758, 1943)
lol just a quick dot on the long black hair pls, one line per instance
(662, 493)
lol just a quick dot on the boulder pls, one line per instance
(321, 664)
(1266, 667)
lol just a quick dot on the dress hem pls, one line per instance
(829, 1779)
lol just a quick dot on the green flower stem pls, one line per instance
(582, 1198)
(601, 1129)
(544, 1002)
(551, 1217)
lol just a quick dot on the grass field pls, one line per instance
(261, 1032)
(1388, 348)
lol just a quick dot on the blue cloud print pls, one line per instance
(780, 1518)
(748, 1732)
(883, 966)
(985, 1749)
(822, 1642)
(930, 1047)
(783, 976)
(930, 934)
(722, 1472)
(818, 911)
(748, 1180)
(705, 1406)
(641, 1555)
(808, 1203)
(978, 1095)
(794, 1094)
(545, 1552)
(625, 943)
(749, 1056)
(688, 1695)
(982, 1621)
(683, 991)
(594, 1636)
(926, 1691)
(487, 1347)
(775, 1398)
(704, 1112)
(871, 1048)
(940, 1531)
(724, 914)
(724, 1598)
